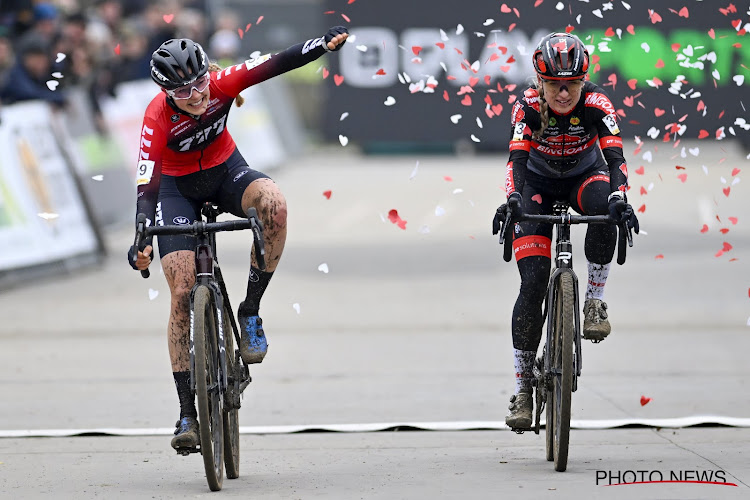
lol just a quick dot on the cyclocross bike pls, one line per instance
(558, 369)
(217, 379)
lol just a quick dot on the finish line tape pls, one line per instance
(669, 423)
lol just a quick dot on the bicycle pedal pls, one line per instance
(186, 451)
(520, 430)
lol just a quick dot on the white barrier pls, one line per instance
(42, 216)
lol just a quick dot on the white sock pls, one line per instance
(523, 362)
(597, 279)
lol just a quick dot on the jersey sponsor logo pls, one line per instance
(610, 142)
(575, 120)
(311, 44)
(159, 217)
(518, 131)
(569, 140)
(558, 151)
(524, 145)
(252, 63)
(600, 101)
(175, 118)
(509, 184)
(253, 276)
(207, 135)
(611, 122)
(552, 121)
(181, 220)
(144, 172)
(237, 177)
(145, 143)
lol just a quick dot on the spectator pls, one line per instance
(6, 54)
(27, 78)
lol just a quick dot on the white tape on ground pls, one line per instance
(670, 423)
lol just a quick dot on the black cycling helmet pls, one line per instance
(561, 56)
(178, 62)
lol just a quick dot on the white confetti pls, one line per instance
(323, 268)
(650, 186)
(597, 13)
(647, 156)
(98, 178)
(479, 123)
(560, 6)
(645, 47)
(694, 151)
(344, 140)
(626, 5)
(362, 48)
(57, 74)
(735, 181)
(455, 118)
(295, 306)
(52, 84)
(475, 66)
(705, 169)
(414, 172)
(439, 211)
(723, 180)
(653, 132)
(443, 36)
(390, 101)
(343, 116)
(488, 22)
(459, 29)
(48, 215)
(716, 74)
(152, 294)
(423, 230)
(60, 57)
(475, 138)
(458, 190)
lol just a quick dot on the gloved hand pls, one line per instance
(511, 208)
(621, 211)
(335, 38)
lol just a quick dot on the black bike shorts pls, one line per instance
(181, 198)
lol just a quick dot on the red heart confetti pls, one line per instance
(640, 170)
(712, 33)
(683, 12)
(632, 82)
(416, 49)
(630, 29)
(642, 208)
(168, 18)
(569, 29)
(346, 18)
(736, 171)
(325, 72)
(724, 230)
(537, 198)
(643, 191)
(466, 101)
(440, 44)
(396, 219)
(726, 191)
(327, 194)
(259, 20)
(660, 63)
(704, 229)
(703, 134)
(727, 247)
(682, 177)
(659, 112)
(505, 9)
(610, 32)
(654, 16)
(338, 79)
(448, 178)
(733, 220)
(117, 49)
(675, 47)
(644, 400)
(660, 256)
(240, 32)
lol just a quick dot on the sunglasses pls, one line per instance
(186, 91)
(557, 85)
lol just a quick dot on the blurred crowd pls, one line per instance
(50, 46)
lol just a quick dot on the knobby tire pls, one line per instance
(206, 387)
(564, 333)
(231, 417)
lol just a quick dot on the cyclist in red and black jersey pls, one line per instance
(188, 157)
(565, 145)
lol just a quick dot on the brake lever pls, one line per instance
(139, 242)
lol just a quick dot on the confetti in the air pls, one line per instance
(60, 57)
(414, 172)
(396, 219)
(295, 306)
(645, 400)
(152, 294)
(98, 178)
(323, 268)
(52, 84)
(327, 194)
(439, 211)
(168, 18)
(48, 215)
(344, 140)
(390, 101)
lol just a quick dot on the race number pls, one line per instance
(611, 124)
(145, 171)
(518, 131)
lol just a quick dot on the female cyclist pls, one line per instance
(565, 145)
(188, 157)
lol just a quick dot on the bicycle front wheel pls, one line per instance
(562, 366)
(207, 386)
(231, 416)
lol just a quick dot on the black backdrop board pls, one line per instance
(647, 61)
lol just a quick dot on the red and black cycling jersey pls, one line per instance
(177, 143)
(571, 145)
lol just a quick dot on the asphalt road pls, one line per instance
(406, 326)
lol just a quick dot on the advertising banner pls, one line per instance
(42, 216)
(440, 71)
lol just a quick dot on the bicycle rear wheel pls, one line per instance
(562, 366)
(207, 386)
(231, 416)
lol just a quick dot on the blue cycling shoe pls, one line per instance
(253, 344)
(186, 434)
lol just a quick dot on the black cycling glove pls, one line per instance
(512, 207)
(621, 211)
(336, 30)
